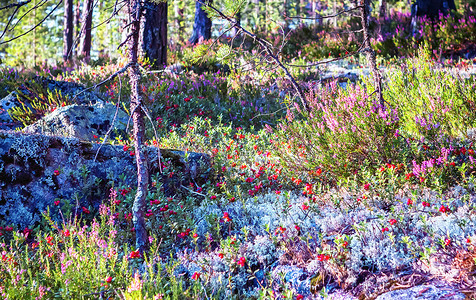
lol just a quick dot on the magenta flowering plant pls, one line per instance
(344, 130)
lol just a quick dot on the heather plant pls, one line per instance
(344, 131)
(446, 34)
(432, 103)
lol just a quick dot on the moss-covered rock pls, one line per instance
(37, 170)
(86, 123)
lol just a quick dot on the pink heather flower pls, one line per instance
(136, 284)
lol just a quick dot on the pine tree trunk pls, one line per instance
(139, 206)
(77, 26)
(85, 50)
(154, 34)
(202, 26)
(383, 9)
(432, 8)
(68, 31)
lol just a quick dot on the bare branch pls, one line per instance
(196, 193)
(124, 41)
(9, 21)
(34, 27)
(113, 120)
(156, 137)
(104, 81)
(267, 46)
(326, 17)
(330, 60)
(17, 5)
(43, 2)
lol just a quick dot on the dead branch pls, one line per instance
(325, 17)
(17, 5)
(34, 27)
(113, 121)
(41, 3)
(267, 47)
(330, 60)
(124, 69)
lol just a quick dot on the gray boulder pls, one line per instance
(37, 170)
(6, 104)
(83, 122)
(424, 292)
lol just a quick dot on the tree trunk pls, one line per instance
(139, 206)
(154, 34)
(77, 26)
(367, 48)
(432, 8)
(383, 9)
(202, 26)
(68, 31)
(85, 50)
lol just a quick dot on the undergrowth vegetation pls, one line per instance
(348, 187)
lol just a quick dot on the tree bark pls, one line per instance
(432, 8)
(383, 9)
(202, 26)
(139, 206)
(77, 26)
(85, 50)
(68, 31)
(370, 53)
(154, 34)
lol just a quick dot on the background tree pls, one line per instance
(431, 8)
(85, 48)
(77, 26)
(154, 33)
(68, 30)
(202, 26)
